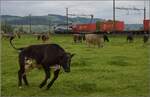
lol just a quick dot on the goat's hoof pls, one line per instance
(40, 86)
(20, 87)
(27, 84)
(47, 88)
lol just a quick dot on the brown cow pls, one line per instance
(94, 39)
(43, 37)
(9, 35)
(77, 38)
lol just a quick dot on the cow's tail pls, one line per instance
(18, 49)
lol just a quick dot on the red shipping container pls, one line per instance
(146, 25)
(108, 26)
(104, 26)
(85, 27)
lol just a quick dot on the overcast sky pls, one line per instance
(100, 9)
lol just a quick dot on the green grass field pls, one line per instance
(118, 69)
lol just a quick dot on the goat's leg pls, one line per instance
(20, 75)
(54, 78)
(47, 73)
(25, 79)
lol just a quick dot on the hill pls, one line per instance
(45, 20)
(55, 19)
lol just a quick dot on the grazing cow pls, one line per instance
(9, 35)
(78, 38)
(37, 35)
(130, 37)
(44, 37)
(45, 55)
(94, 39)
(145, 38)
(17, 34)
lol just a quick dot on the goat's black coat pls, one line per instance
(46, 55)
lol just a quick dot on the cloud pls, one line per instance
(100, 9)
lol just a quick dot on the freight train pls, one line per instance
(102, 26)
(107, 27)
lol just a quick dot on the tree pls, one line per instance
(7, 28)
(21, 29)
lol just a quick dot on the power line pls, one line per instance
(133, 9)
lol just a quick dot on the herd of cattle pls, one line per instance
(90, 39)
(99, 39)
(43, 37)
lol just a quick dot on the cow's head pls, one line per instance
(66, 61)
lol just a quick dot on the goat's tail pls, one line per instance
(18, 49)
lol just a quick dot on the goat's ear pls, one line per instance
(72, 55)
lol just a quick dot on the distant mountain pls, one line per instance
(45, 20)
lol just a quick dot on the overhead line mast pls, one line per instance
(114, 15)
(134, 9)
(67, 18)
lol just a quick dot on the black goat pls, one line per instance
(45, 55)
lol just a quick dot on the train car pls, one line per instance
(146, 24)
(108, 26)
(84, 27)
(103, 27)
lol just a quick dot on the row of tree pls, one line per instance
(7, 28)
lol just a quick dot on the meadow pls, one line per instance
(117, 69)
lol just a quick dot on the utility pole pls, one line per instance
(144, 10)
(49, 26)
(67, 17)
(144, 13)
(5, 23)
(114, 16)
(30, 30)
(21, 28)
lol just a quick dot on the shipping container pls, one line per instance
(103, 26)
(84, 27)
(108, 26)
(146, 24)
